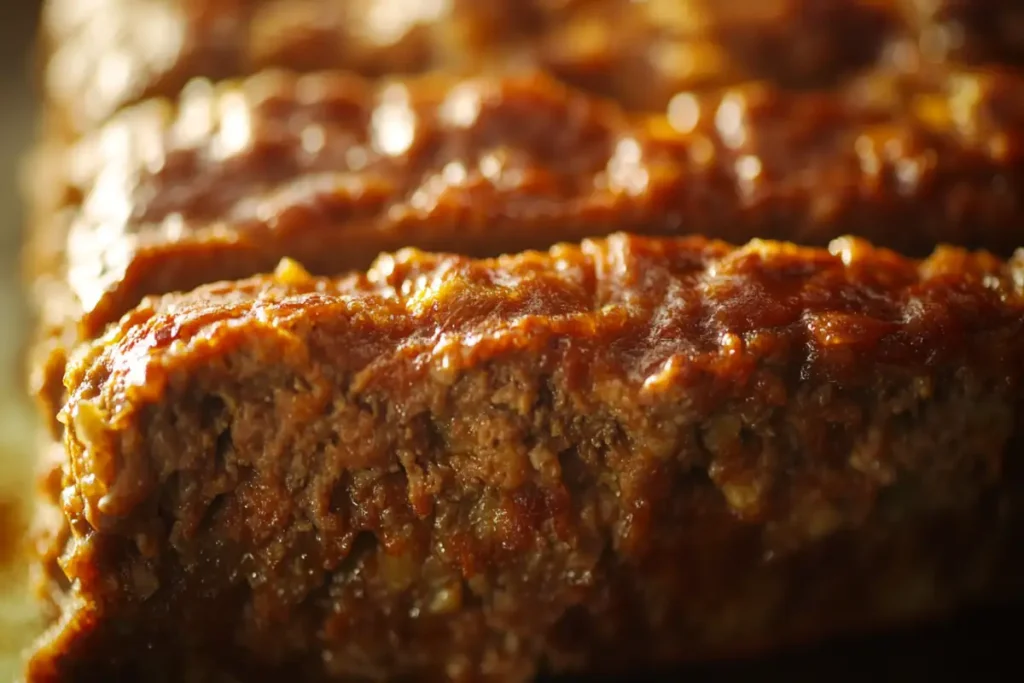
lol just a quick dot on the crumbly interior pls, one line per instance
(291, 465)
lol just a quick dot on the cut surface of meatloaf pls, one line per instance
(331, 170)
(458, 469)
(102, 55)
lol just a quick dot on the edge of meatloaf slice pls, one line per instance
(460, 469)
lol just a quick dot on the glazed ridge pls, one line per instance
(684, 302)
(330, 170)
(106, 54)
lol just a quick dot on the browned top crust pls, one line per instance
(649, 319)
(329, 170)
(105, 54)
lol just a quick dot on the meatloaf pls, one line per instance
(102, 55)
(153, 204)
(330, 170)
(627, 450)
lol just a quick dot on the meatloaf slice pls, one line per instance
(631, 449)
(105, 54)
(331, 170)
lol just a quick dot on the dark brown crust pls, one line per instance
(719, 441)
(107, 54)
(334, 170)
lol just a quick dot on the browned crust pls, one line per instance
(483, 422)
(331, 170)
(112, 53)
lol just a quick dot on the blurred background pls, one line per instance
(17, 26)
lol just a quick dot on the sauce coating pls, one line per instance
(105, 54)
(665, 297)
(330, 170)
(444, 468)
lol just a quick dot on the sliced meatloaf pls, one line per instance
(629, 450)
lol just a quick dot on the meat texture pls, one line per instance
(630, 450)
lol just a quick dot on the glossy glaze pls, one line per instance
(456, 470)
(330, 170)
(109, 53)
